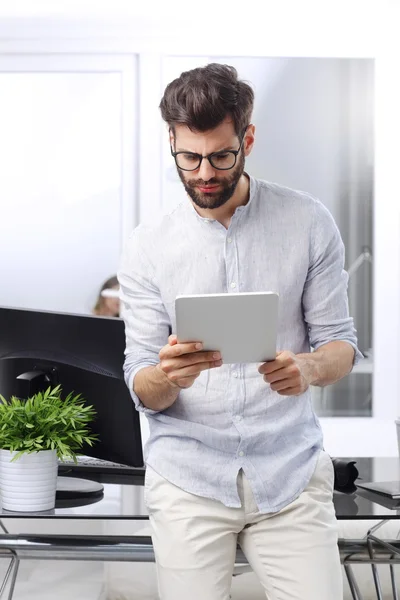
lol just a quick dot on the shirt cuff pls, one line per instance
(138, 403)
(357, 355)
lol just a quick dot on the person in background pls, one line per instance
(107, 306)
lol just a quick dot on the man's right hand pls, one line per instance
(182, 363)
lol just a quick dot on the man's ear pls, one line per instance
(171, 138)
(249, 139)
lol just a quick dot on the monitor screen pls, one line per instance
(84, 354)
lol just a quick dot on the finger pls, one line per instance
(275, 365)
(180, 349)
(284, 384)
(172, 340)
(285, 357)
(290, 372)
(203, 367)
(195, 358)
(192, 370)
(280, 375)
(177, 363)
(270, 367)
(292, 391)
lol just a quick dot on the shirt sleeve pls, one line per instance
(325, 300)
(147, 324)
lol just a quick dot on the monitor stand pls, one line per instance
(75, 488)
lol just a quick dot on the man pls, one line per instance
(235, 452)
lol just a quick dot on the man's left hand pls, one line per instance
(286, 374)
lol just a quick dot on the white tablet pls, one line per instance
(243, 327)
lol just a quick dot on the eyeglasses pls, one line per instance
(223, 161)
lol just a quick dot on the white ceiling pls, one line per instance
(77, 9)
(364, 24)
(68, 9)
(234, 10)
(103, 9)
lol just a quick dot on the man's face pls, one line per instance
(209, 187)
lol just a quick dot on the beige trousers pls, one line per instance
(293, 552)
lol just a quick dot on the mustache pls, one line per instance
(201, 182)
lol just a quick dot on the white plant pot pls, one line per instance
(29, 483)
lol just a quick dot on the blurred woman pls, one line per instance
(108, 306)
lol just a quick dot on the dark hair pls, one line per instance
(202, 98)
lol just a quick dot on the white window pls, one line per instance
(67, 185)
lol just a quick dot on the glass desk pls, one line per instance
(123, 499)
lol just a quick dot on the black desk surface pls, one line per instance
(123, 497)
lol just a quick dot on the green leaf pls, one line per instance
(46, 421)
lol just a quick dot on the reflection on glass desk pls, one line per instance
(364, 504)
(123, 497)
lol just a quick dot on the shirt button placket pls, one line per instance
(231, 266)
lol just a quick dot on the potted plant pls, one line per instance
(34, 433)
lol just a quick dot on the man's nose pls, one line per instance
(206, 170)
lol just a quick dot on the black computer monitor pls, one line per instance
(83, 354)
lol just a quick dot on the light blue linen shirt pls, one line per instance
(282, 240)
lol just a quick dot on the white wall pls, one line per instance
(68, 198)
(60, 187)
(298, 125)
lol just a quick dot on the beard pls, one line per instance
(212, 200)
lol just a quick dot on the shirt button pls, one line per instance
(237, 417)
(233, 284)
(229, 240)
(234, 374)
(241, 453)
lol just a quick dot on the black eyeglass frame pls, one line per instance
(209, 156)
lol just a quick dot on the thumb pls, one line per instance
(172, 340)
